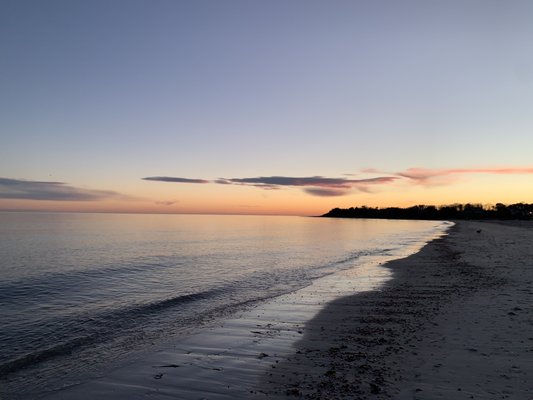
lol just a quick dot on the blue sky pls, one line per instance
(100, 94)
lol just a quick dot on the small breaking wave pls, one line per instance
(36, 357)
(101, 328)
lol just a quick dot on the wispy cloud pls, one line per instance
(166, 203)
(174, 179)
(326, 187)
(370, 171)
(425, 176)
(290, 181)
(314, 185)
(55, 191)
(325, 192)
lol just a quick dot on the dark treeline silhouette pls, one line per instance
(454, 211)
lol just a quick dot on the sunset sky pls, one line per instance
(264, 107)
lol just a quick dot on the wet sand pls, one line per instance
(455, 322)
(228, 359)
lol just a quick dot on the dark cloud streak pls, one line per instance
(291, 181)
(325, 192)
(315, 181)
(52, 191)
(174, 179)
(314, 185)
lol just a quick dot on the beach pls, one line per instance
(455, 322)
(96, 305)
(451, 321)
(250, 200)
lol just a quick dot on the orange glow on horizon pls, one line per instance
(168, 198)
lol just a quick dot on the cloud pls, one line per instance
(327, 187)
(273, 181)
(314, 185)
(370, 171)
(166, 203)
(425, 176)
(325, 192)
(314, 181)
(54, 191)
(174, 179)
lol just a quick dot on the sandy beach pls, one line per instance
(453, 321)
(456, 322)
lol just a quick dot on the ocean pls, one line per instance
(80, 293)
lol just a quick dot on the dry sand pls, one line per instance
(456, 322)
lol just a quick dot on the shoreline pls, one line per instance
(454, 322)
(227, 360)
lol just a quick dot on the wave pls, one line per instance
(55, 283)
(102, 328)
(161, 305)
(36, 357)
(97, 328)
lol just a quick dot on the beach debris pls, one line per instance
(374, 389)
(209, 368)
(292, 392)
(158, 376)
(166, 366)
(262, 355)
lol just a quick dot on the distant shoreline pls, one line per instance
(518, 211)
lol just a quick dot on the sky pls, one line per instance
(264, 107)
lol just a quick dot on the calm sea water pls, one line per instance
(79, 291)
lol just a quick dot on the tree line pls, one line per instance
(522, 211)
